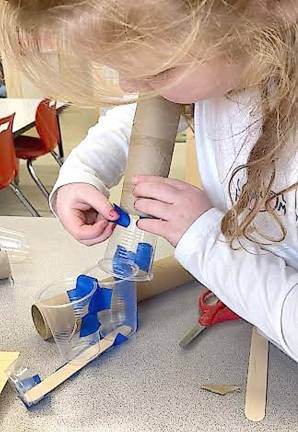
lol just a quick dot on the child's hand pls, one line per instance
(84, 211)
(174, 203)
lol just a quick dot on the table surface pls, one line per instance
(147, 384)
(25, 112)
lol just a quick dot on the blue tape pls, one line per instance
(124, 218)
(144, 256)
(84, 286)
(89, 324)
(101, 300)
(120, 338)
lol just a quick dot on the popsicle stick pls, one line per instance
(53, 381)
(256, 387)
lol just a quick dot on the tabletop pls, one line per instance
(147, 384)
(25, 112)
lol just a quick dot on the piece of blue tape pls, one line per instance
(124, 218)
(100, 300)
(144, 256)
(120, 338)
(89, 324)
(84, 285)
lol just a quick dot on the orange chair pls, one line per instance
(8, 162)
(30, 148)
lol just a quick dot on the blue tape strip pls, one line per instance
(89, 325)
(144, 256)
(124, 218)
(100, 300)
(84, 286)
(120, 338)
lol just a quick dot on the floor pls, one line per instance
(74, 125)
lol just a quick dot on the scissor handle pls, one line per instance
(213, 313)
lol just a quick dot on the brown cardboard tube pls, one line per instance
(151, 144)
(5, 270)
(168, 273)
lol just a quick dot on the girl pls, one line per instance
(237, 60)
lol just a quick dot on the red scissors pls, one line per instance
(212, 311)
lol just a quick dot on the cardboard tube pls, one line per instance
(151, 144)
(168, 273)
(39, 318)
(5, 270)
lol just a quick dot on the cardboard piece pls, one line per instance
(6, 360)
(256, 387)
(151, 144)
(221, 389)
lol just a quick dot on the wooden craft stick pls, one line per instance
(53, 381)
(256, 387)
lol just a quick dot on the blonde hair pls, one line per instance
(161, 34)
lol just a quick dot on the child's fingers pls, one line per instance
(154, 208)
(76, 224)
(154, 226)
(104, 236)
(100, 203)
(158, 191)
(156, 179)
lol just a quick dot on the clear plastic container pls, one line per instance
(15, 244)
(117, 280)
(135, 246)
(65, 305)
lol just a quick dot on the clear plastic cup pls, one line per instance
(66, 312)
(117, 279)
(15, 244)
(135, 246)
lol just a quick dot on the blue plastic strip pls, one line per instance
(124, 218)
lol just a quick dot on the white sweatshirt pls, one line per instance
(259, 285)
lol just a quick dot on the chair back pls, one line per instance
(47, 124)
(8, 160)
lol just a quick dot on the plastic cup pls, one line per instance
(65, 313)
(135, 246)
(15, 244)
(117, 280)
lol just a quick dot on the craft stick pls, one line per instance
(151, 144)
(256, 387)
(53, 381)
(168, 273)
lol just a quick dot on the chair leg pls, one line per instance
(37, 180)
(24, 200)
(57, 158)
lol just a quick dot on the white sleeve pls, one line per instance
(256, 284)
(100, 159)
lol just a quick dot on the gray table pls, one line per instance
(147, 384)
